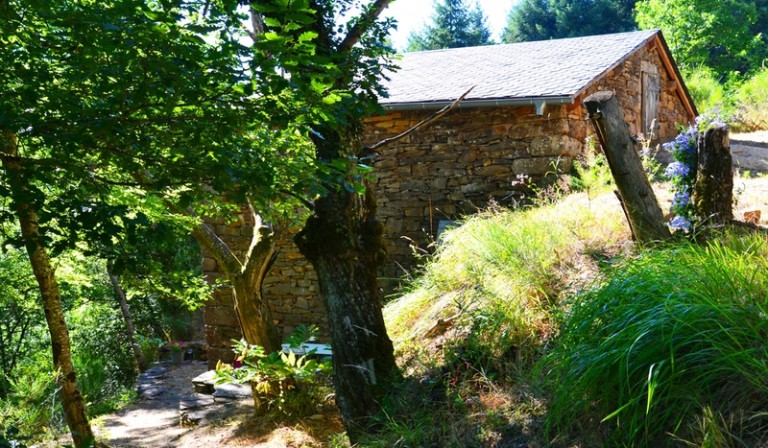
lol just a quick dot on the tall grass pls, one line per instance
(493, 282)
(742, 103)
(672, 335)
(505, 269)
(751, 104)
(706, 90)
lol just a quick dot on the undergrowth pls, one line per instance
(475, 322)
(740, 102)
(544, 327)
(669, 348)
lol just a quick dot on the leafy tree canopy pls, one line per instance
(454, 25)
(113, 101)
(725, 35)
(554, 19)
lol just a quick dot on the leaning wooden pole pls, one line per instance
(642, 209)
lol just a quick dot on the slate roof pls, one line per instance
(549, 69)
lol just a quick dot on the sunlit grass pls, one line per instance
(473, 328)
(520, 260)
(670, 334)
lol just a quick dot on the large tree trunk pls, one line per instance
(246, 277)
(637, 196)
(343, 240)
(713, 192)
(141, 363)
(71, 399)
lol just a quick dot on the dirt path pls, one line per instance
(750, 152)
(155, 422)
(152, 422)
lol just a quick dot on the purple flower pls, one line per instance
(682, 140)
(680, 222)
(717, 123)
(711, 120)
(681, 199)
(677, 169)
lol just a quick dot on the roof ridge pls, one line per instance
(560, 39)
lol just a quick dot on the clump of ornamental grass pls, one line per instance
(672, 338)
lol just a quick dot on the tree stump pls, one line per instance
(713, 191)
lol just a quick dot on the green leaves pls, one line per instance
(695, 32)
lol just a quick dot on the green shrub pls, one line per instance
(149, 347)
(289, 384)
(10, 438)
(707, 91)
(33, 407)
(751, 104)
(671, 336)
(102, 356)
(593, 174)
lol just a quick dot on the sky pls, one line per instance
(412, 15)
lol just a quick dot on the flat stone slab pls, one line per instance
(749, 158)
(203, 383)
(154, 373)
(150, 391)
(195, 401)
(229, 391)
(214, 413)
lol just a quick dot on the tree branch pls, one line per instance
(257, 22)
(207, 238)
(203, 233)
(262, 245)
(361, 26)
(306, 203)
(434, 117)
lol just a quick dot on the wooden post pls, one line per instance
(639, 201)
(713, 191)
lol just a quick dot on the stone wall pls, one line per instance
(460, 164)
(292, 290)
(625, 79)
(221, 324)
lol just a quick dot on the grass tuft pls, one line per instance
(672, 335)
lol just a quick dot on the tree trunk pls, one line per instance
(713, 191)
(253, 313)
(343, 240)
(141, 363)
(246, 278)
(71, 399)
(642, 209)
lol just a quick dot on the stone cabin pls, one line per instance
(523, 117)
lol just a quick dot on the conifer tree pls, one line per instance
(454, 25)
(554, 19)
